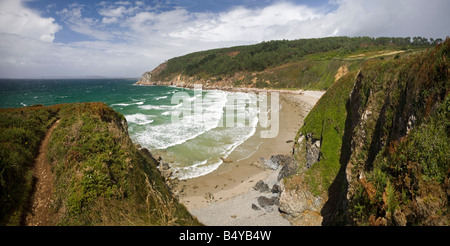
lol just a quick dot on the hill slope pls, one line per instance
(99, 175)
(305, 63)
(374, 150)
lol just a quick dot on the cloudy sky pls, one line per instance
(58, 38)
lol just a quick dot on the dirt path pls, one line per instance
(39, 212)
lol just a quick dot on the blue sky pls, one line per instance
(51, 38)
(109, 11)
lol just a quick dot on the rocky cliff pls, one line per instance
(374, 150)
(303, 64)
(399, 164)
(180, 80)
(308, 74)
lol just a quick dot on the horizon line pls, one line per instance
(74, 77)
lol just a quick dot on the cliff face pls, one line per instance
(179, 80)
(399, 163)
(146, 78)
(306, 74)
(384, 140)
(304, 63)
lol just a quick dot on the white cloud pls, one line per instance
(73, 18)
(34, 58)
(390, 18)
(112, 11)
(18, 20)
(286, 20)
(277, 21)
(130, 37)
(110, 20)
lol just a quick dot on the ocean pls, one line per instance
(192, 145)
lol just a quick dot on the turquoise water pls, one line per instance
(193, 146)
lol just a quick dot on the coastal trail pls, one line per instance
(38, 211)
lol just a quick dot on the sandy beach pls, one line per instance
(225, 196)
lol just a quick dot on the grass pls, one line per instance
(400, 177)
(326, 121)
(101, 178)
(99, 170)
(316, 71)
(406, 172)
(21, 131)
(302, 64)
(307, 74)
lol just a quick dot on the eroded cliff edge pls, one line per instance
(374, 150)
(99, 177)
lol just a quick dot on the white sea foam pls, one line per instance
(121, 104)
(160, 107)
(206, 133)
(159, 98)
(174, 133)
(139, 119)
(196, 170)
(238, 136)
(126, 104)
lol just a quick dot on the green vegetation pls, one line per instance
(20, 133)
(101, 178)
(304, 63)
(384, 134)
(407, 173)
(383, 127)
(326, 121)
(306, 74)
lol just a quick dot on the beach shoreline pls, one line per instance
(225, 196)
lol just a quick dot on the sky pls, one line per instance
(62, 38)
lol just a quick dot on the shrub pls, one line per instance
(21, 131)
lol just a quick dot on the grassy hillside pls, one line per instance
(327, 123)
(101, 178)
(21, 131)
(398, 172)
(384, 140)
(305, 63)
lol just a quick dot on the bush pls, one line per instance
(402, 145)
(21, 131)
(102, 178)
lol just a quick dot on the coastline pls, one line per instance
(225, 196)
(226, 87)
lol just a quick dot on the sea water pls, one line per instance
(192, 147)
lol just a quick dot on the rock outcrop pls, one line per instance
(179, 80)
(301, 206)
(261, 186)
(392, 164)
(312, 150)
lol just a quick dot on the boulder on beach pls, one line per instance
(254, 207)
(267, 202)
(261, 186)
(276, 189)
